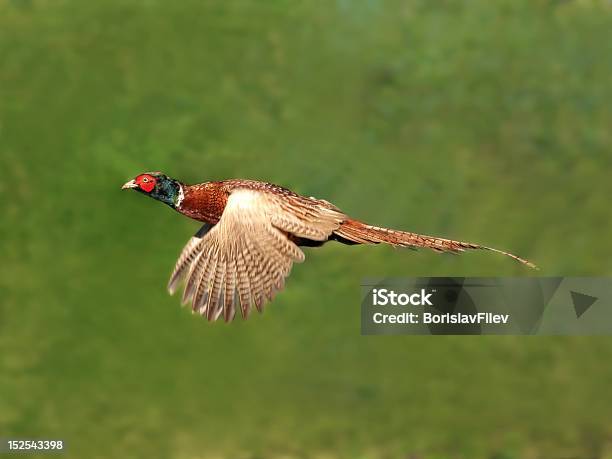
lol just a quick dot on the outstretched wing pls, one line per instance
(245, 258)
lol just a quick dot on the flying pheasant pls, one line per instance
(252, 235)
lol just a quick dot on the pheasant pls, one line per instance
(251, 235)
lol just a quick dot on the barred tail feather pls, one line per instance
(357, 232)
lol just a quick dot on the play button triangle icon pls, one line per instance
(581, 302)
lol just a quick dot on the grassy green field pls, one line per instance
(478, 120)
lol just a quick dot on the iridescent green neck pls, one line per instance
(168, 191)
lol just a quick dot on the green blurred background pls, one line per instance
(478, 120)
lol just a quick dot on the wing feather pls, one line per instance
(243, 284)
(210, 309)
(229, 309)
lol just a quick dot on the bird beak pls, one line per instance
(130, 184)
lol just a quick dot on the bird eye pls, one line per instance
(145, 180)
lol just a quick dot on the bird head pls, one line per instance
(156, 185)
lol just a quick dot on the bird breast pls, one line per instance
(204, 202)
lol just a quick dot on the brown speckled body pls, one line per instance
(205, 202)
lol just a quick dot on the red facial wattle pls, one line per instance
(145, 182)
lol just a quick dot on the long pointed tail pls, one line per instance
(361, 233)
